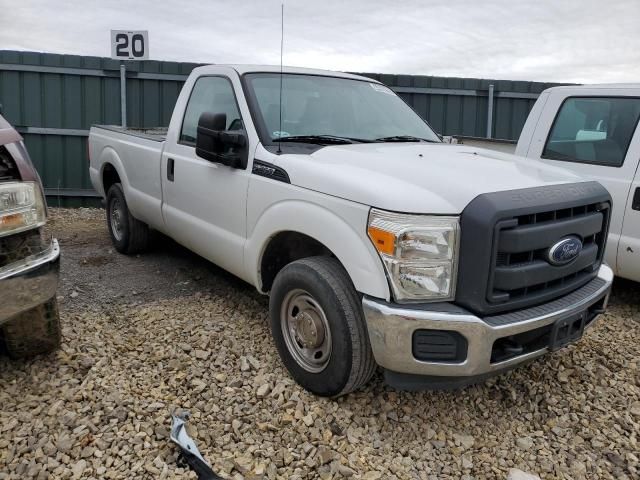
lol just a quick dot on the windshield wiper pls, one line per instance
(404, 138)
(321, 139)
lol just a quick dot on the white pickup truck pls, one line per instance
(592, 130)
(377, 243)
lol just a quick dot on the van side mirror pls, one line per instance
(216, 144)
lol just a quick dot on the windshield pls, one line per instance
(342, 108)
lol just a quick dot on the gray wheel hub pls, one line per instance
(309, 329)
(306, 330)
(116, 218)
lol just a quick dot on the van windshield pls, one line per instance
(319, 109)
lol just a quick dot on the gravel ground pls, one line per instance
(166, 330)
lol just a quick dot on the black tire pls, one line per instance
(350, 364)
(130, 236)
(33, 332)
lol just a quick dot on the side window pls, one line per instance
(594, 130)
(209, 94)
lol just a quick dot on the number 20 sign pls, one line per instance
(129, 45)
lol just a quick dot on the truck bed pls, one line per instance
(157, 134)
(136, 153)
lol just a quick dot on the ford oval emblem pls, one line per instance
(565, 251)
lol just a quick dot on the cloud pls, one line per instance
(546, 40)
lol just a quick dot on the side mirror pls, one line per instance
(215, 144)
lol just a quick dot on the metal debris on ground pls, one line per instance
(190, 452)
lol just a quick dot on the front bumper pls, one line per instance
(29, 282)
(391, 328)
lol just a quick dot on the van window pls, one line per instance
(594, 130)
(209, 94)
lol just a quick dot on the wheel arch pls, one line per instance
(285, 247)
(109, 176)
(322, 232)
(111, 169)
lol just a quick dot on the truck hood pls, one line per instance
(8, 133)
(415, 177)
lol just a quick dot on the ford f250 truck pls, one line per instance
(29, 257)
(378, 244)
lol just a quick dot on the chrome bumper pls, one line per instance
(27, 283)
(391, 328)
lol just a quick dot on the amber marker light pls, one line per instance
(385, 242)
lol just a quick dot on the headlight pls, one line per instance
(21, 207)
(419, 253)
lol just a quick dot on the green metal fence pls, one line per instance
(54, 99)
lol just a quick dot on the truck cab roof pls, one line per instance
(621, 88)
(242, 69)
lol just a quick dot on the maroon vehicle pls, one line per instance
(29, 257)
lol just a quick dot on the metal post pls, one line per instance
(123, 94)
(490, 112)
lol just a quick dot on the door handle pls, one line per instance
(635, 203)
(170, 169)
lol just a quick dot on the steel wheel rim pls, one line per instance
(306, 331)
(115, 218)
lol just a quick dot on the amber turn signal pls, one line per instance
(385, 242)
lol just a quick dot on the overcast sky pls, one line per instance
(544, 40)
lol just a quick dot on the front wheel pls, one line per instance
(319, 329)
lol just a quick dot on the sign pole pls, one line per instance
(490, 112)
(128, 45)
(123, 94)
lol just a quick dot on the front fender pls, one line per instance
(343, 234)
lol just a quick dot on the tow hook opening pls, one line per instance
(523, 343)
(516, 345)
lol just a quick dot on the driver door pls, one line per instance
(205, 202)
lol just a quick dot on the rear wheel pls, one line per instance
(128, 234)
(318, 327)
(33, 332)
